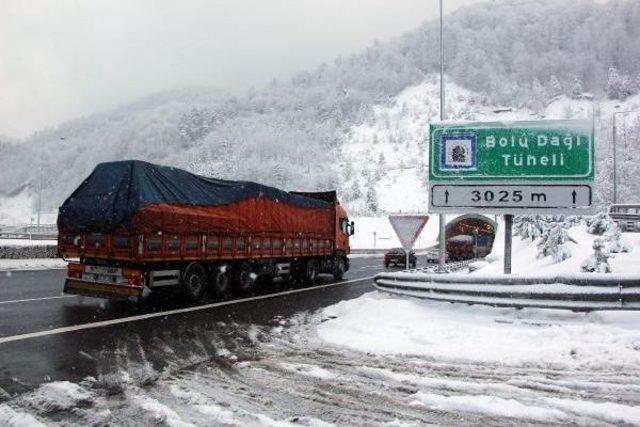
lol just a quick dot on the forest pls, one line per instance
(518, 54)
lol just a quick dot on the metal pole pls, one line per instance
(406, 255)
(40, 182)
(442, 250)
(508, 225)
(615, 168)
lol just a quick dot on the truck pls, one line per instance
(135, 225)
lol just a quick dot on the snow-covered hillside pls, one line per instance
(385, 161)
(294, 134)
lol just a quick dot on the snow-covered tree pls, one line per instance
(598, 262)
(371, 198)
(555, 243)
(577, 87)
(618, 86)
(600, 223)
(555, 87)
(615, 241)
(528, 227)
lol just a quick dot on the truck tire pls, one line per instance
(311, 271)
(338, 270)
(220, 282)
(244, 279)
(193, 281)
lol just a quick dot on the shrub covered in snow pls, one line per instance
(598, 262)
(615, 242)
(600, 223)
(555, 243)
(528, 227)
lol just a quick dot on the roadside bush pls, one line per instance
(598, 262)
(600, 223)
(615, 242)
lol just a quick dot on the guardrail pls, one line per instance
(578, 292)
(627, 216)
(29, 236)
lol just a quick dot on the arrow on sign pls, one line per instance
(446, 196)
(574, 194)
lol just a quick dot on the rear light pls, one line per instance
(75, 270)
(134, 277)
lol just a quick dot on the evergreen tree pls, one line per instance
(598, 262)
(555, 87)
(577, 88)
(555, 243)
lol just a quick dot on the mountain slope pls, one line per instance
(291, 134)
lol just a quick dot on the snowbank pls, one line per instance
(525, 255)
(384, 324)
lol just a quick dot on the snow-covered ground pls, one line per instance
(27, 242)
(32, 264)
(525, 260)
(376, 360)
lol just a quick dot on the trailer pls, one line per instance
(136, 225)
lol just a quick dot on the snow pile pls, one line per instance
(9, 417)
(58, 396)
(578, 242)
(384, 324)
(489, 405)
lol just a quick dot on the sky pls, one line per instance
(61, 59)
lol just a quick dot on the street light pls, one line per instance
(615, 151)
(441, 217)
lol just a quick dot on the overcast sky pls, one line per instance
(60, 59)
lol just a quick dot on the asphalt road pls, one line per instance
(47, 336)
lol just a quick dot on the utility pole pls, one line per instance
(615, 153)
(442, 254)
(40, 183)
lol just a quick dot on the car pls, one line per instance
(433, 256)
(397, 257)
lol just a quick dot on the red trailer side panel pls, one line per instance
(250, 216)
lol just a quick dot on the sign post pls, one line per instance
(408, 228)
(510, 168)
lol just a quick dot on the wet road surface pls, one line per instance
(46, 335)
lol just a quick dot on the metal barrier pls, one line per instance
(627, 216)
(578, 292)
(29, 236)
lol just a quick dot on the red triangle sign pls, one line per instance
(408, 228)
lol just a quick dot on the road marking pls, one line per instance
(118, 321)
(37, 299)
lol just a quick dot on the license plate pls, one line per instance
(100, 270)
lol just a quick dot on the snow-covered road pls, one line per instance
(288, 373)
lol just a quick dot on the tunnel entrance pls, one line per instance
(469, 236)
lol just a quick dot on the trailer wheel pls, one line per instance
(193, 281)
(244, 279)
(220, 281)
(338, 270)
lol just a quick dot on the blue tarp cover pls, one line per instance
(110, 196)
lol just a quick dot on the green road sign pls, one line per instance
(511, 167)
(555, 150)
